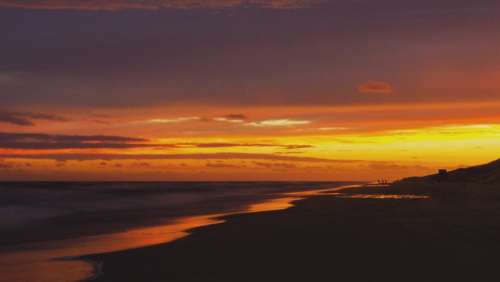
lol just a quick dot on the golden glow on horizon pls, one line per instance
(220, 98)
(332, 156)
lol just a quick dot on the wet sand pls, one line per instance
(362, 234)
(58, 260)
(39, 212)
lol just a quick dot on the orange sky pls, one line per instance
(277, 143)
(247, 90)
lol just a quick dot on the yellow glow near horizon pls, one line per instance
(391, 154)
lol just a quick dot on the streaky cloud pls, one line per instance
(38, 141)
(28, 118)
(116, 5)
(375, 87)
(170, 120)
(40, 137)
(278, 123)
(232, 118)
(203, 156)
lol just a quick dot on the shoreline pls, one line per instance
(328, 237)
(284, 202)
(69, 253)
(47, 230)
(287, 200)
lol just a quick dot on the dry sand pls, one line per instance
(331, 238)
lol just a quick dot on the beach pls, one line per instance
(372, 233)
(410, 230)
(58, 223)
(249, 141)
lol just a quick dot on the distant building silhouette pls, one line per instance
(442, 175)
(382, 181)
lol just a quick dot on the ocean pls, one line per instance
(45, 227)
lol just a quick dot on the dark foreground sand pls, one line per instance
(326, 238)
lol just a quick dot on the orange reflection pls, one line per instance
(273, 205)
(42, 262)
(53, 261)
(396, 197)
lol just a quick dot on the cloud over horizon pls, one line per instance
(27, 119)
(195, 156)
(116, 5)
(278, 123)
(375, 87)
(410, 81)
(232, 118)
(170, 120)
(39, 141)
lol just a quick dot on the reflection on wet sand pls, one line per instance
(386, 196)
(272, 205)
(51, 261)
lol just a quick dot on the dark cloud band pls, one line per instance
(114, 5)
(208, 156)
(38, 141)
(27, 119)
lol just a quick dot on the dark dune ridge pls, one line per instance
(332, 238)
(488, 174)
(477, 184)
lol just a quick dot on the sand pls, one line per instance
(331, 238)
(39, 212)
(42, 252)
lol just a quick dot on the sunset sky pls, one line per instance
(247, 89)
